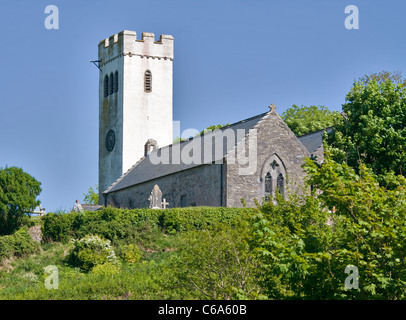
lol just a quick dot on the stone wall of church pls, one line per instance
(199, 186)
(273, 137)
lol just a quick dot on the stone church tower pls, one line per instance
(135, 100)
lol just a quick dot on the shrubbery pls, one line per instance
(213, 264)
(18, 244)
(115, 224)
(130, 253)
(91, 251)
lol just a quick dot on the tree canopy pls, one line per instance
(372, 128)
(306, 243)
(92, 196)
(383, 76)
(18, 196)
(304, 119)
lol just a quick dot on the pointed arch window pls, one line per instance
(148, 81)
(116, 82)
(273, 177)
(280, 184)
(106, 85)
(268, 186)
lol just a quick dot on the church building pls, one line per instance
(251, 159)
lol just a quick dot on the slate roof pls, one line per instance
(145, 169)
(87, 207)
(314, 140)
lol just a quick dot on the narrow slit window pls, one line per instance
(116, 82)
(268, 186)
(106, 85)
(111, 83)
(280, 182)
(148, 81)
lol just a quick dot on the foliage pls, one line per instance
(306, 243)
(106, 269)
(18, 193)
(18, 244)
(115, 224)
(373, 128)
(213, 127)
(213, 264)
(58, 227)
(90, 252)
(208, 129)
(383, 76)
(25, 277)
(373, 223)
(303, 120)
(130, 253)
(92, 196)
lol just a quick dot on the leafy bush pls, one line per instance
(91, 251)
(18, 244)
(106, 269)
(213, 264)
(58, 227)
(130, 253)
(115, 224)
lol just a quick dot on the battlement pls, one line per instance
(126, 42)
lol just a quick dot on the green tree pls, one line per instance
(92, 196)
(305, 243)
(214, 127)
(372, 128)
(209, 128)
(383, 76)
(18, 197)
(303, 120)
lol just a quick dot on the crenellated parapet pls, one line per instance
(125, 43)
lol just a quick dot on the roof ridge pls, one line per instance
(245, 120)
(314, 131)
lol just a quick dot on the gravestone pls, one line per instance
(155, 199)
(164, 204)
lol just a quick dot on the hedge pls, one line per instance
(113, 223)
(18, 244)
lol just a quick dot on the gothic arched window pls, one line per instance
(280, 184)
(273, 177)
(116, 82)
(268, 186)
(106, 85)
(111, 83)
(148, 81)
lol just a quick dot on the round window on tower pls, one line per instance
(110, 140)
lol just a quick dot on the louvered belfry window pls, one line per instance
(148, 81)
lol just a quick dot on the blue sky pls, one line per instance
(233, 58)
